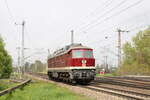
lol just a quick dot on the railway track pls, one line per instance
(124, 82)
(9, 90)
(120, 90)
(144, 79)
(130, 79)
(128, 88)
(138, 78)
(121, 93)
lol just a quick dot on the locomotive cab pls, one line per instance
(82, 58)
(82, 62)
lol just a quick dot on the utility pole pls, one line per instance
(22, 46)
(72, 37)
(119, 46)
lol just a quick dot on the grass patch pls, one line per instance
(43, 91)
(6, 83)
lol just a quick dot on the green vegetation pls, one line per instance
(5, 61)
(4, 84)
(105, 75)
(37, 66)
(137, 55)
(43, 91)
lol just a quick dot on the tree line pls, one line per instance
(136, 57)
(37, 66)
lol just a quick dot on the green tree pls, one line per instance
(137, 55)
(5, 61)
(39, 66)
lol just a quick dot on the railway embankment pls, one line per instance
(10, 90)
(42, 90)
(80, 89)
(6, 83)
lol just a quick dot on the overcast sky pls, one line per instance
(49, 22)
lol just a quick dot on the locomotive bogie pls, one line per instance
(84, 75)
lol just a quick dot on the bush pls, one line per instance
(134, 69)
(5, 61)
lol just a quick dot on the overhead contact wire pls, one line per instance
(116, 14)
(106, 13)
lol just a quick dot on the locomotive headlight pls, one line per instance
(93, 70)
(83, 61)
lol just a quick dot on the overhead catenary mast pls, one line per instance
(119, 46)
(22, 46)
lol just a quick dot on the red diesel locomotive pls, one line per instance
(73, 63)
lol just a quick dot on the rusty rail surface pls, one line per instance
(9, 90)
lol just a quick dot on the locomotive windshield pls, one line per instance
(82, 54)
(77, 54)
(88, 54)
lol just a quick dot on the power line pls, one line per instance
(129, 19)
(132, 29)
(33, 44)
(107, 12)
(117, 13)
(9, 11)
(106, 4)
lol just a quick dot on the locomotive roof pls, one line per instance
(78, 46)
(67, 48)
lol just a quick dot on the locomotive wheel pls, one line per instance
(83, 82)
(50, 75)
(73, 82)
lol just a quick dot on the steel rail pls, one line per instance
(123, 83)
(122, 90)
(128, 80)
(113, 92)
(9, 90)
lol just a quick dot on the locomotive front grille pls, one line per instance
(84, 74)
